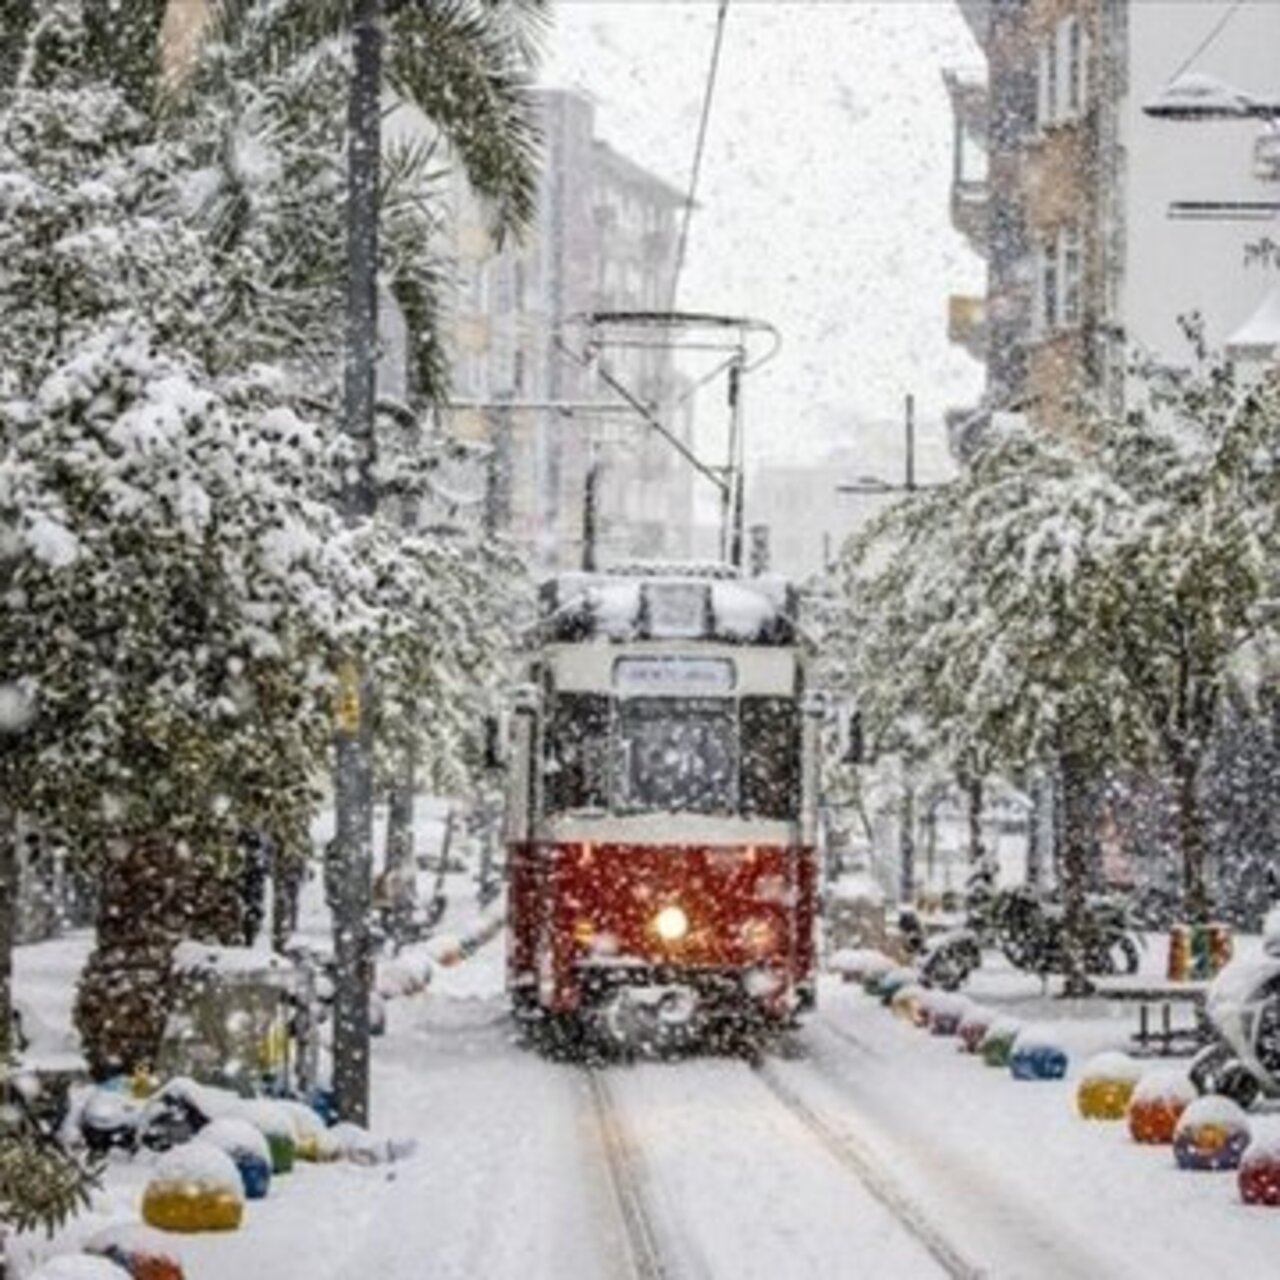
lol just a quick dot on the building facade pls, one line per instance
(604, 241)
(1101, 226)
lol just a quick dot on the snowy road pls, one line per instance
(864, 1147)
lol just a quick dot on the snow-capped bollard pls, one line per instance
(872, 970)
(315, 1141)
(973, 1028)
(890, 983)
(142, 1252)
(195, 1187)
(79, 1266)
(906, 1003)
(1036, 1055)
(945, 1012)
(275, 1124)
(1211, 1134)
(1106, 1085)
(1259, 1174)
(248, 1148)
(1157, 1104)
(854, 963)
(997, 1044)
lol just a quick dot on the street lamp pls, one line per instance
(1201, 97)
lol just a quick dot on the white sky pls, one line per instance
(823, 197)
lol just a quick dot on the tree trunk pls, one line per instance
(151, 897)
(1186, 770)
(287, 874)
(907, 844)
(1076, 822)
(399, 849)
(976, 794)
(8, 926)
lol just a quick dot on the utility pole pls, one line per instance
(353, 783)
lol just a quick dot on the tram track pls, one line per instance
(856, 1159)
(1010, 1225)
(644, 1252)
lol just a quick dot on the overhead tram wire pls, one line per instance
(699, 147)
(1213, 34)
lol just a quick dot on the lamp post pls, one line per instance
(352, 854)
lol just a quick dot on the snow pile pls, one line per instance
(270, 1118)
(857, 887)
(1036, 1036)
(404, 975)
(237, 1138)
(1165, 1085)
(198, 1164)
(359, 1146)
(79, 1266)
(204, 959)
(1112, 1065)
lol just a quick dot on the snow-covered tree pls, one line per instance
(1076, 604)
(176, 585)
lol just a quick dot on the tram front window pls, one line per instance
(677, 755)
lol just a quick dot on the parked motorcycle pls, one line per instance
(1243, 1008)
(1031, 930)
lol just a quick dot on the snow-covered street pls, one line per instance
(861, 1146)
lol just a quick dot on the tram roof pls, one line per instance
(667, 603)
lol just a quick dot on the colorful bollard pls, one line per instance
(195, 1187)
(1106, 1086)
(997, 1045)
(1037, 1056)
(248, 1148)
(1259, 1174)
(1157, 1104)
(1211, 1135)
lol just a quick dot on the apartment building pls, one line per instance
(1100, 225)
(605, 240)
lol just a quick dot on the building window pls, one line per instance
(1059, 282)
(1069, 254)
(1062, 74)
(1075, 67)
(1046, 86)
(1048, 287)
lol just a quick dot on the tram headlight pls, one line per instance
(671, 924)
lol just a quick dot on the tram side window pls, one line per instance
(576, 752)
(770, 757)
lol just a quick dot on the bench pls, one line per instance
(1157, 1033)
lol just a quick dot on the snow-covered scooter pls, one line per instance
(1243, 1007)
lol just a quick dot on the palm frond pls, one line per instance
(466, 65)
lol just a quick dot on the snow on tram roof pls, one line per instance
(675, 602)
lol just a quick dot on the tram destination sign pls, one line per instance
(674, 674)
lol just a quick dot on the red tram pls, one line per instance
(660, 819)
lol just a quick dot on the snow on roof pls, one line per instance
(668, 606)
(1196, 90)
(1260, 333)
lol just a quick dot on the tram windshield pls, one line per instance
(677, 755)
(673, 754)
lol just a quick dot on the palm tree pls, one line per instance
(467, 66)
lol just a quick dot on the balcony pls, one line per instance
(967, 323)
(970, 101)
(970, 203)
